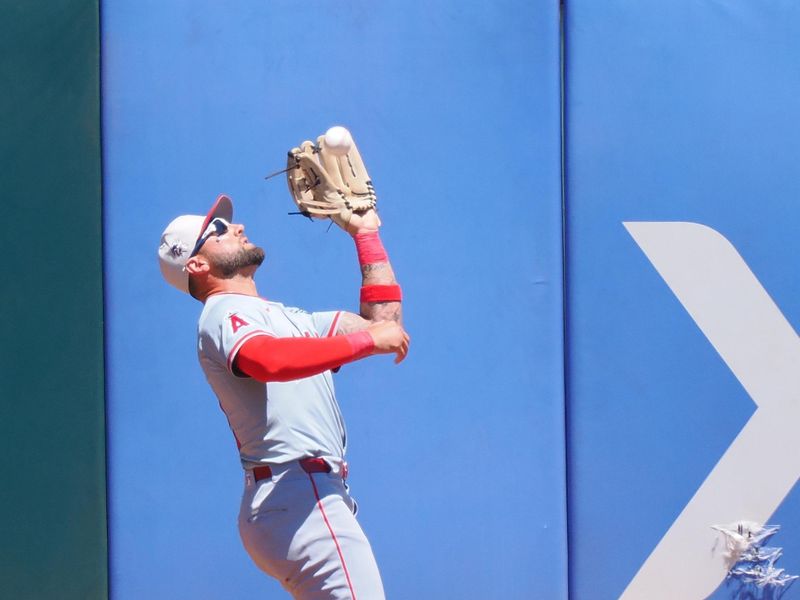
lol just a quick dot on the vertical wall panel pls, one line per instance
(51, 364)
(677, 112)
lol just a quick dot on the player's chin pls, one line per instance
(255, 255)
(246, 258)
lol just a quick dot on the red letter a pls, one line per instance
(236, 322)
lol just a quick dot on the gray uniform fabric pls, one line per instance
(273, 423)
(298, 527)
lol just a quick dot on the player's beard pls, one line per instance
(246, 257)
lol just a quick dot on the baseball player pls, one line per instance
(271, 367)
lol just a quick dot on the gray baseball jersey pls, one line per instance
(273, 423)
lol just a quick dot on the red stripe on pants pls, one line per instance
(333, 535)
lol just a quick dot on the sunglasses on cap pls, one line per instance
(217, 227)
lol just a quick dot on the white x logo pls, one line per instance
(735, 313)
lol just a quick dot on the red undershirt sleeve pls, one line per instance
(267, 359)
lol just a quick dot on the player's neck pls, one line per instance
(235, 285)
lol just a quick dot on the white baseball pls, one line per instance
(338, 140)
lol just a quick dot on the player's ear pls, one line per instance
(197, 265)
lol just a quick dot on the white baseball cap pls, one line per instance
(181, 236)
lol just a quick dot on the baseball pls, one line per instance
(338, 140)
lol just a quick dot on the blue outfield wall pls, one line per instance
(457, 455)
(683, 363)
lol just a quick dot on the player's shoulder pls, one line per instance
(271, 305)
(293, 310)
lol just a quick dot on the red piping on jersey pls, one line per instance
(332, 330)
(267, 359)
(237, 345)
(333, 535)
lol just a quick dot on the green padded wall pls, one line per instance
(52, 423)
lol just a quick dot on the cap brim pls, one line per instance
(222, 209)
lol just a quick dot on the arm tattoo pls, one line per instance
(380, 274)
(350, 323)
(382, 311)
(372, 268)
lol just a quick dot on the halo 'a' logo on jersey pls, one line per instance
(237, 322)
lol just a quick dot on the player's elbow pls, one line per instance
(276, 371)
(280, 376)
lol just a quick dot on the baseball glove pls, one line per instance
(326, 185)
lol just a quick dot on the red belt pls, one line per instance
(309, 465)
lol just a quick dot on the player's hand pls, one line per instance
(390, 338)
(365, 222)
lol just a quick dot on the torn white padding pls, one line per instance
(750, 561)
(742, 536)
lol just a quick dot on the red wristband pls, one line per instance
(370, 248)
(381, 293)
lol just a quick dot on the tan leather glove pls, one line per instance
(324, 185)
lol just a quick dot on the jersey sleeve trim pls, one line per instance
(334, 324)
(237, 346)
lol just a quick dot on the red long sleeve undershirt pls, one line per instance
(267, 358)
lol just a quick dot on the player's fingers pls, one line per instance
(406, 341)
(401, 353)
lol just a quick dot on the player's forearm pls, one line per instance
(268, 359)
(380, 293)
